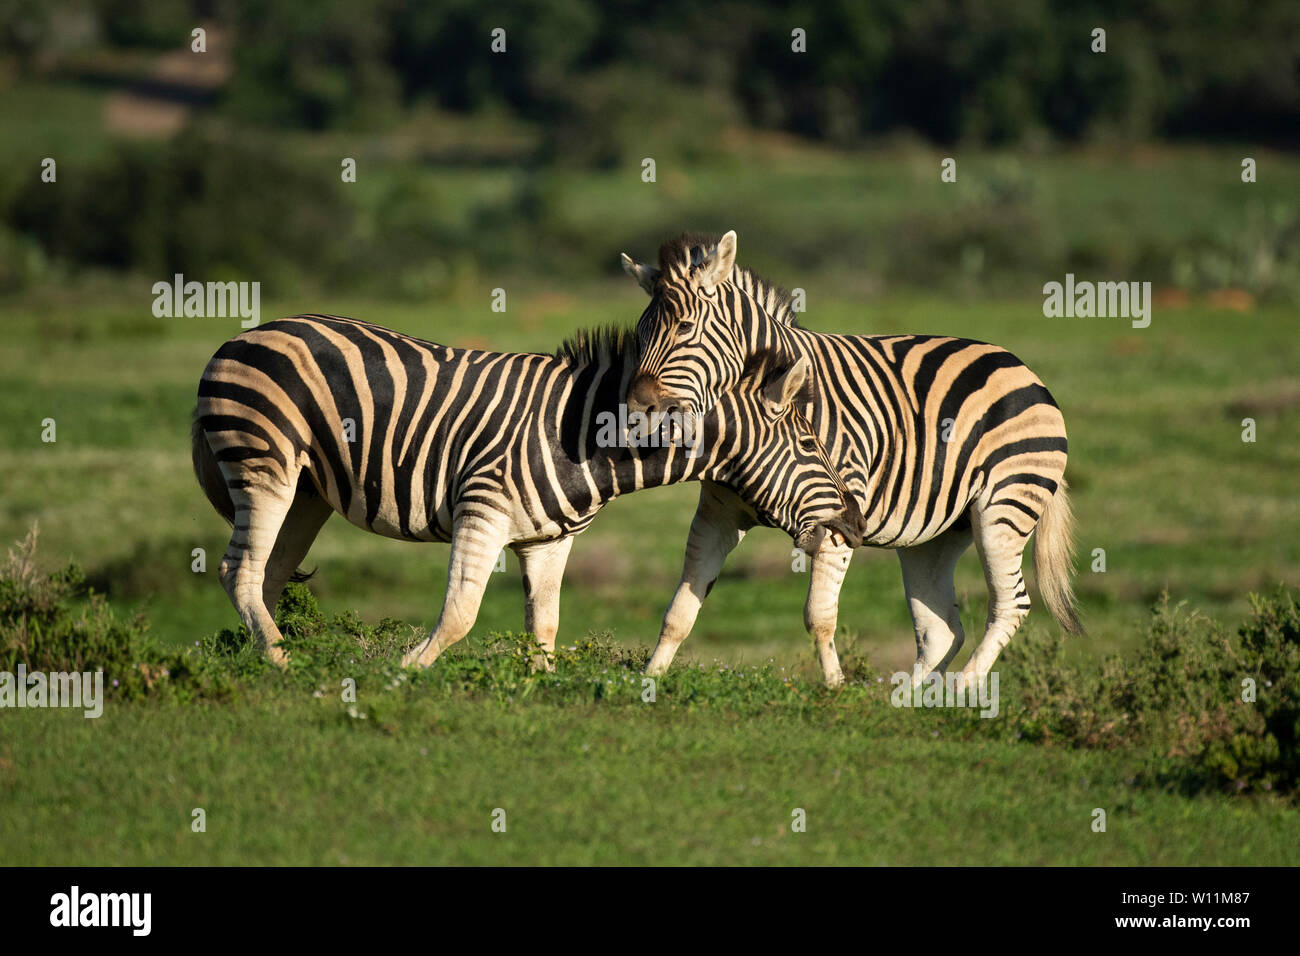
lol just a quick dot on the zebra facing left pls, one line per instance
(315, 414)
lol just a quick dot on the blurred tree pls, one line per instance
(949, 69)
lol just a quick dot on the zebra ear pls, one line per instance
(643, 274)
(781, 390)
(716, 269)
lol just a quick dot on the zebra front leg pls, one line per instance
(821, 610)
(719, 525)
(475, 546)
(542, 564)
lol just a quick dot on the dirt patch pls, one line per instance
(1281, 400)
(159, 106)
(1235, 300)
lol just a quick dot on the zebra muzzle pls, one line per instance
(809, 541)
(843, 533)
(852, 526)
(847, 528)
(645, 394)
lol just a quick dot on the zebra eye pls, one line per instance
(808, 444)
(684, 328)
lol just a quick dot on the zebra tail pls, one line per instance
(1053, 560)
(211, 480)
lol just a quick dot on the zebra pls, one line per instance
(315, 414)
(943, 441)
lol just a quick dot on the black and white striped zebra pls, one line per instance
(944, 441)
(314, 414)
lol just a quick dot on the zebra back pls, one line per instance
(402, 436)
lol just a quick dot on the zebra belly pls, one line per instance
(386, 519)
(895, 535)
(906, 522)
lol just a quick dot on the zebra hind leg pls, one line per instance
(261, 505)
(1001, 548)
(542, 564)
(307, 515)
(927, 579)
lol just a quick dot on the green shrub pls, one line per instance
(54, 623)
(1213, 709)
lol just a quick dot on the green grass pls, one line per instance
(296, 782)
(1161, 481)
(715, 769)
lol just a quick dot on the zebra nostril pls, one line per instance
(643, 394)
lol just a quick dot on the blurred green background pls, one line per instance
(522, 170)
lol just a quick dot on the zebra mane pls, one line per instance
(607, 342)
(681, 256)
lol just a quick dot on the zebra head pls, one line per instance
(769, 454)
(691, 348)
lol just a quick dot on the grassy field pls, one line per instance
(1163, 484)
(724, 765)
(290, 782)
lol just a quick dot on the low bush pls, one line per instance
(1214, 708)
(52, 622)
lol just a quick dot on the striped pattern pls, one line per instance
(313, 415)
(942, 440)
